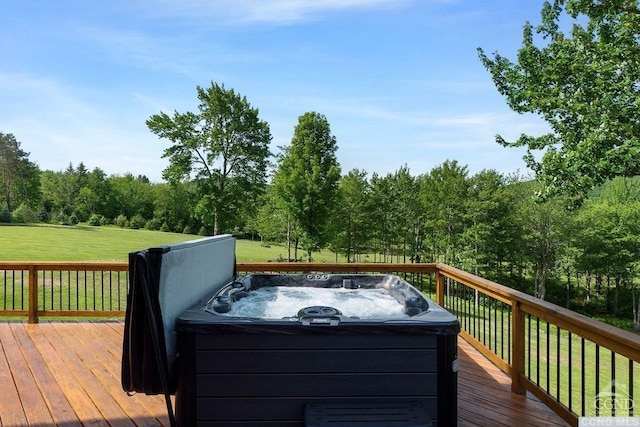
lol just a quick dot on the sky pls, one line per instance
(399, 81)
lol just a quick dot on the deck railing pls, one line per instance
(63, 289)
(576, 365)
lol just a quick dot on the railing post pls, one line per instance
(439, 288)
(33, 294)
(518, 349)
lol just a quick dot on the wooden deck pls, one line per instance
(68, 374)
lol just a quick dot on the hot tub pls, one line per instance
(236, 368)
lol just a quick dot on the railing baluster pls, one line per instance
(69, 289)
(52, 294)
(502, 309)
(613, 384)
(548, 364)
(61, 286)
(631, 396)
(537, 351)
(495, 327)
(558, 357)
(569, 371)
(529, 346)
(582, 379)
(597, 384)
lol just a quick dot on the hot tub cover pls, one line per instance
(164, 282)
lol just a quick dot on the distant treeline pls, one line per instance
(585, 258)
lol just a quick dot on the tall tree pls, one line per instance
(585, 84)
(224, 147)
(444, 192)
(307, 179)
(488, 212)
(19, 178)
(351, 220)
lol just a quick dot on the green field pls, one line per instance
(88, 243)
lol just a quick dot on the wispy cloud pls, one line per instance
(277, 12)
(59, 124)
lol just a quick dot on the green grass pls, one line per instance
(35, 242)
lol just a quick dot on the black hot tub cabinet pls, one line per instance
(239, 371)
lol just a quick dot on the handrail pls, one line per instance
(455, 289)
(622, 342)
(38, 296)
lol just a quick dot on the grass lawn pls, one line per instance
(36, 242)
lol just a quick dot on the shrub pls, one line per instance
(62, 218)
(24, 214)
(186, 230)
(5, 215)
(73, 219)
(121, 221)
(164, 227)
(202, 231)
(153, 224)
(95, 220)
(136, 222)
(18, 216)
(43, 215)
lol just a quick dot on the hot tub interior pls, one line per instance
(269, 296)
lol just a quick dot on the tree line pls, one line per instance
(585, 258)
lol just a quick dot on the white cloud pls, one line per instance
(277, 12)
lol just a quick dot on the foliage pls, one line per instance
(136, 222)
(351, 223)
(153, 224)
(223, 147)
(73, 219)
(18, 176)
(585, 85)
(121, 221)
(5, 214)
(307, 179)
(444, 193)
(95, 220)
(24, 214)
(270, 222)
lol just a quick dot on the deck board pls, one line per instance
(69, 374)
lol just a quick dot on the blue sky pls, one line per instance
(399, 81)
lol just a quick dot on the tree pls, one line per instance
(351, 225)
(443, 195)
(270, 222)
(586, 85)
(19, 178)
(307, 179)
(224, 147)
(133, 195)
(489, 214)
